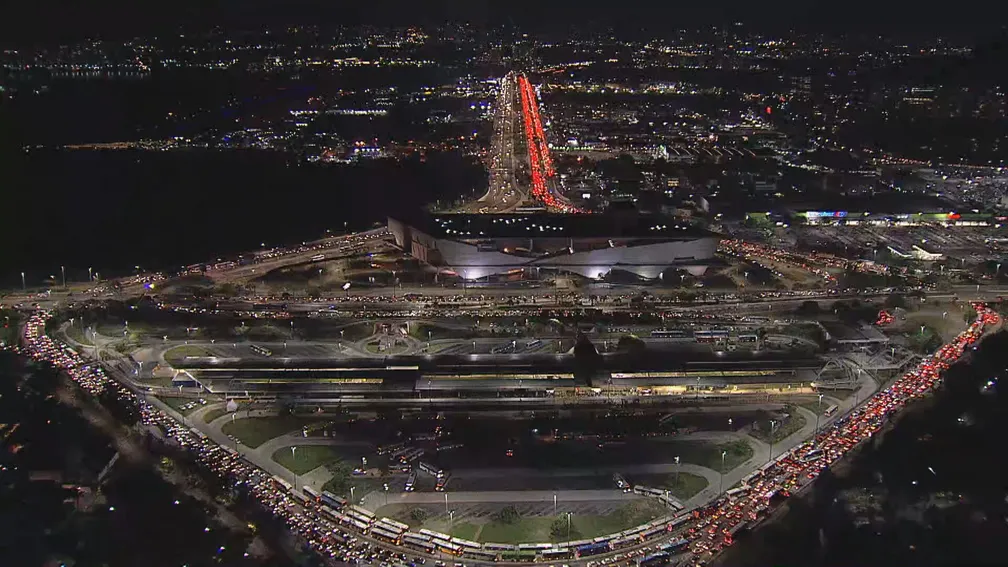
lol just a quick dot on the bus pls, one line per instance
(312, 494)
(830, 410)
(465, 543)
(675, 546)
(386, 448)
(448, 547)
(735, 492)
(480, 554)
(499, 547)
(260, 350)
(418, 542)
(363, 512)
(621, 482)
(431, 469)
(711, 336)
(556, 553)
(442, 483)
(668, 334)
(381, 533)
(813, 455)
(410, 481)
(330, 499)
(286, 486)
(659, 559)
(593, 549)
(411, 455)
(392, 525)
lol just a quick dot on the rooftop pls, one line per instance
(623, 225)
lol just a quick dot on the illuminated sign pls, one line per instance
(826, 214)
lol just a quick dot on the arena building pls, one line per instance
(477, 246)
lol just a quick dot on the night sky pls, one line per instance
(56, 20)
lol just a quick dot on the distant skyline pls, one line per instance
(66, 20)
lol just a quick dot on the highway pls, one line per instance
(504, 194)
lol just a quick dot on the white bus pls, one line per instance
(363, 512)
(401, 527)
(312, 494)
(736, 492)
(410, 481)
(431, 469)
(411, 455)
(830, 410)
(382, 533)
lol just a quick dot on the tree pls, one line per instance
(561, 530)
(508, 515)
(418, 515)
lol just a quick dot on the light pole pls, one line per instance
(386, 493)
(293, 458)
(723, 455)
(23, 286)
(677, 471)
(554, 504)
(446, 502)
(568, 525)
(351, 495)
(63, 271)
(451, 521)
(818, 411)
(89, 276)
(772, 425)
(729, 424)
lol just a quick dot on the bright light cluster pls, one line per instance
(540, 164)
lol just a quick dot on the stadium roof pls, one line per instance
(546, 225)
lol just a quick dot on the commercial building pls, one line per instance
(594, 246)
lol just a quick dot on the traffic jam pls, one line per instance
(716, 523)
(700, 534)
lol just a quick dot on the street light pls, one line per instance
(729, 424)
(386, 493)
(723, 455)
(772, 425)
(446, 502)
(351, 494)
(554, 504)
(23, 286)
(818, 411)
(677, 471)
(569, 525)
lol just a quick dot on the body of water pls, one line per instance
(114, 210)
